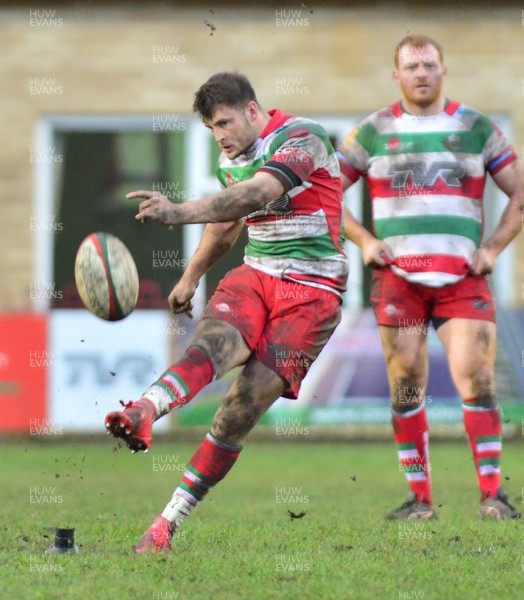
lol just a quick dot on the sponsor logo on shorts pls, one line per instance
(223, 307)
(481, 305)
(391, 310)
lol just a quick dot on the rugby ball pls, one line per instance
(106, 276)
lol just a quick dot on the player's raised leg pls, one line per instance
(405, 350)
(471, 348)
(295, 331)
(252, 393)
(216, 348)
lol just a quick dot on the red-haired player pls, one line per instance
(425, 161)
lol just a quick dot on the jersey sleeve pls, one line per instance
(353, 152)
(221, 176)
(304, 150)
(497, 151)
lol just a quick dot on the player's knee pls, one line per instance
(407, 393)
(222, 343)
(483, 387)
(406, 365)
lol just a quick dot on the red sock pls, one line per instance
(187, 377)
(484, 430)
(412, 438)
(209, 465)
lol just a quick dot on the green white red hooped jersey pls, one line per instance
(299, 236)
(426, 178)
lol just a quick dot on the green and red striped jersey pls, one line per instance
(299, 236)
(426, 178)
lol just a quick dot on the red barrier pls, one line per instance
(24, 364)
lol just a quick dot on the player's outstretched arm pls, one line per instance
(230, 204)
(511, 181)
(217, 239)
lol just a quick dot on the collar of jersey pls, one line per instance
(450, 107)
(278, 118)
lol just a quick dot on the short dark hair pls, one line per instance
(418, 41)
(223, 89)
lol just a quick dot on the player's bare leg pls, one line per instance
(252, 393)
(471, 348)
(216, 348)
(407, 365)
(405, 350)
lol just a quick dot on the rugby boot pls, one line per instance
(133, 424)
(411, 509)
(158, 537)
(498, 507)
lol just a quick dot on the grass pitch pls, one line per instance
(240, 543)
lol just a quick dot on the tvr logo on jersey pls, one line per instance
(449, 171)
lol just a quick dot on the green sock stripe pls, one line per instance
(492, 460)
(478, 403)
(207, 481)
(165, 387)
(191, 490)
(413, 468)
(488, 438)
(408, 446)
(179, 379)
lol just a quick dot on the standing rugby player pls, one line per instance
(425, 161)
(274, 313)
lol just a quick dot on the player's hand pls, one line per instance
(155, 206)
(180, 298)
(376, 253)
(483, 261)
